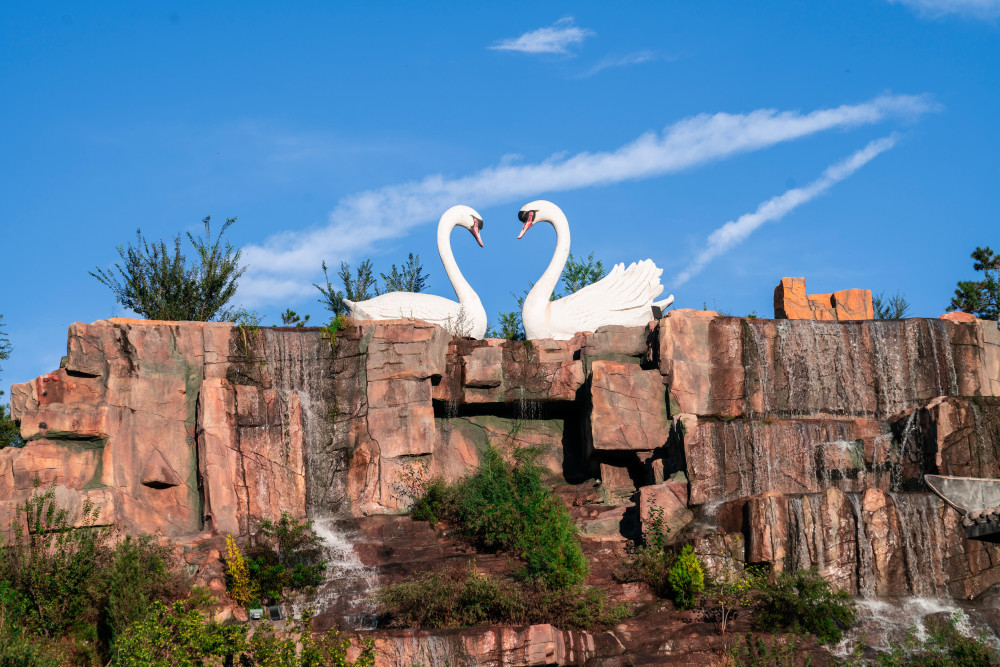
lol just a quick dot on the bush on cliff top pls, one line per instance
(504, 506)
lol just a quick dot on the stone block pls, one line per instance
(629, 408)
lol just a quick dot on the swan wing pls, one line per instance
(418, 306)
(624, 296)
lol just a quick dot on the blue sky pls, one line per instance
(853, 143)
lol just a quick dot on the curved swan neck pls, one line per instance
(542, 291)
(463, 290)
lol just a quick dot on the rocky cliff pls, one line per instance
(794, 443)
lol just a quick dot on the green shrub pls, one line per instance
(453, 600)
(651, 561)
(282, 555)
(751, 651)
(945, 646)
(63, 579)
(686, 578)
(53, 566)
(137, 573)
(803, 602)
(504, 506)
(183, 635)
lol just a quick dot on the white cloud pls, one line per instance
(279, 266)
(736, 231)
(621, 61)
(557, 38)
(983, 9)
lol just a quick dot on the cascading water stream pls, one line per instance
(346, 592)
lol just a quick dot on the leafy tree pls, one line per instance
(356, 288)
(290, 318)
(577, 274)
(980, 297)
(285, 554)
(890, 308)
(160, 284)
(410, 279)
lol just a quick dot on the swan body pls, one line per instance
(465, 317)
(624, 296)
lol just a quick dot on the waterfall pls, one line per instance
(865, 554)
(348, 586)
(923, 545)
(880, 622)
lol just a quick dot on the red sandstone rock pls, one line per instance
(671, 497)
(629, 407)
(958, 316)
(792, 303)
(701, 359)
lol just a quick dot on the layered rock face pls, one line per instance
(793, 443)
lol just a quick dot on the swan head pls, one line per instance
(465, 216)
(537, 211)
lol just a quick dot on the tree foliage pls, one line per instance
(357, 287)
(980, 297)
(290, 318)
(804, 602)
(285, 554)
(578, 273)
(410, 279)
(890, 308)
(160, 283)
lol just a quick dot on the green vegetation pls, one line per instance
(735, 591)
(283, 556)
(362, 284)
(945, 646)
(980, 297)
(803, 602)
(577, 274)
(686, 578)
(454, 600)
(410, 278)
(162, 285)
(752, 651)
(182, 635)
(290, 318)
(10, 433)
(890, 308)
(673, 575)
(65, 581)
(504, 506)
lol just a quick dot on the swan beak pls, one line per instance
(528, 218)
(476, 226)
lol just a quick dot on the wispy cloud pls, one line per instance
(982, 9)
(621, 61)
(278, 267)
(736, 231)
(557, 38)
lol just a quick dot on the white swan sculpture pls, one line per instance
(465, 317)
(624, 296)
